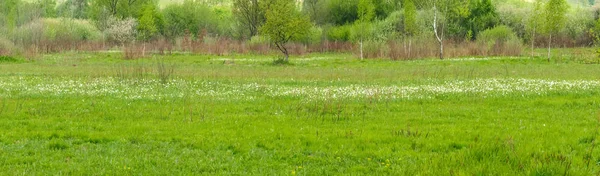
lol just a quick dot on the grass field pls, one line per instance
(96, 114)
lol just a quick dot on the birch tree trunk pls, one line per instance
(439, 37)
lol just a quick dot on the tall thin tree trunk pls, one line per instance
(549, 45)
(410, 48)
(440, 38)
(441, 50)
(361, 50)
(533, 42)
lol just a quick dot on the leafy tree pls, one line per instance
(444, 11)
(482, 16)
(316, 10)
(366, 13)
(120, 31)
(595, 32)
(147, 27)
(383, 8)
(342, 12)
(74, 9)
(410, 21)
(109, 5)
(119, 8)
(534, 22)
(47, 7)
(196, 18)
(250, 14)
(9, 13)
(555, 19)
(284, 24)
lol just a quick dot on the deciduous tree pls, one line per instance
(534, 22)
(284, 23)
(366, 13)
(250, 14)
(410, 22)
(555, 19)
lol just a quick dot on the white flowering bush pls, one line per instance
(120, 31)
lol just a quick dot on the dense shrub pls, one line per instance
(6, 47)
(339, 33)
(342, 12)
(579, 20)
(314, 36)
(498, 34)
(8, 59)
(500, 40)
(54, 30)
(194, 17)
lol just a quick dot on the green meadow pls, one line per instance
(325, 114)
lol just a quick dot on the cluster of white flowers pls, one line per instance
(178, 88)
(270, 59)
(482, 58)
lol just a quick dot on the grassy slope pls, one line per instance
(50, 124)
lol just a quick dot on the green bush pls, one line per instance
(56, 29)
(500, 41)
(8, 59)
(259, 40)
(314, 36)
(339, 33)
(499, 34)
(375, 49)
(6, 47)
(194, 17)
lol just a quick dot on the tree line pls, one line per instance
(363, 22)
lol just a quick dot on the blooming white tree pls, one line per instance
(120, 31)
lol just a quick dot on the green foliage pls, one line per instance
(47, 8)
(315, 35)
(118, 8)
(483, 16)
(410, 18)
(74, 9)
(498, 34)
(555, 12)
(8, 13)
(259, 40)
(342, 12)
(578, 21)
(284, 23)
(339, 33)
(6, 47)
(595, 32)
(195, 18)
(250, 14)
(4, 59)
(363, 26)
(366, 11)
(317, 10)
(188, 16)
(535, 19)
(147, 27)
(55, 30)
